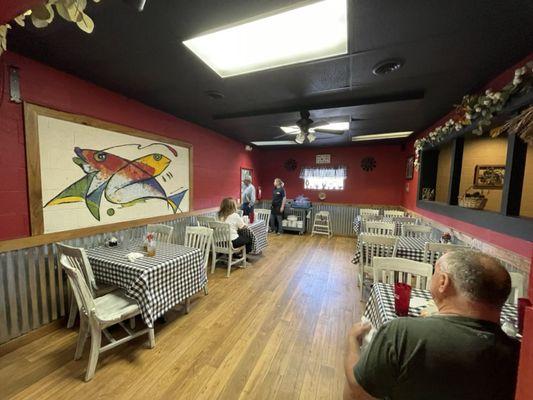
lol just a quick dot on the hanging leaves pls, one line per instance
(42, 15)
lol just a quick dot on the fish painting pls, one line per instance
(121, 181)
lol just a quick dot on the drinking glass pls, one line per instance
(402, 297)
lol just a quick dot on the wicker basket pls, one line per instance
(476, 203)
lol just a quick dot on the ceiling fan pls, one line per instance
(306, 129)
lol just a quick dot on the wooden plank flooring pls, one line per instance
(273, 331)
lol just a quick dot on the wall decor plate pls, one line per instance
(368, 164)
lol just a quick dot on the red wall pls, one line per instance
(217, 159)
(383, 185)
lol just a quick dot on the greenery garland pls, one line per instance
(479, 107)
(43, 14)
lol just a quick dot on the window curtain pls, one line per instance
(323, 172)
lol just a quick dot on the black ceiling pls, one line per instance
(450, 48)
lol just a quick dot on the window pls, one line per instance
(331, 178)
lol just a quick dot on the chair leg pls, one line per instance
(132, 323)
(82, 337)
(229, 264)
(206, 292)
(151, 338)
(96, 341)
(73, 311)
(213, 261)
(188, 305)
(244, 256)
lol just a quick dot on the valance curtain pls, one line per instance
(323, 172)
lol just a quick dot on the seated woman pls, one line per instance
(228, 213)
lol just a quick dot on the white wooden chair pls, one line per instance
(517, 287)
(223, 245)
(371, 246)
(406, 220)
(203, 220)
(416, 231)
(97, 314)
(162, 233)
(97, 290)
(393, 213)
(395, 269)
(263, 215)
(432, 251)
(322, 224)
(368, 212)
(379, 228)
(200, 238)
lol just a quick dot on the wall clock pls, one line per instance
(368, 164)
(290, 164)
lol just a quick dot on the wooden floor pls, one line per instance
(273, 331)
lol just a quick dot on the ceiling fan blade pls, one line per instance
(282, 135)
(328, 132)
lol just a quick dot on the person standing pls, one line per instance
(248, 197)
(278, 206)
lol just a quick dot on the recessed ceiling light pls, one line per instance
(387, 66)
(305, 33)
(273, 143)
(214, 94)
(380, 136)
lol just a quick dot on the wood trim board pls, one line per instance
(31, 114)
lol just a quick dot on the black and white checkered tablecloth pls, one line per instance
(380, 306)
(358, 223)
(258, 232)
(157, 283)
(408, 247)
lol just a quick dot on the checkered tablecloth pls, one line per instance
(380, 306)
(408, 247)
(157, 283)
(258, 233)
(358, 223)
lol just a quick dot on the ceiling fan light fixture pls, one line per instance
(291, 130)
(289, 36)
(311, 137)
(300, 138)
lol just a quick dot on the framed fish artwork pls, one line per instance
(84, 172)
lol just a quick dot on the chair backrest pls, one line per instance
(76, 257)
(221, 236)
(393, 213)
(379, 228)
(240, 212)
(517, 287)
(406, 220)
(432, 251)
(394, 269)
(263, 215)
(162, 233)
(82, 292)
(363, 212)
(417, 231)
(200, 238)
(204, 220)
(371, 246)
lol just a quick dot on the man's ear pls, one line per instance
(444, 282)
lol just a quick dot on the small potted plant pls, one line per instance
(149, 244)
(446, 237)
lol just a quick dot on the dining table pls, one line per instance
(380, 305)
(358, 223)
(158, 283)
(258, 232)
(408, 247)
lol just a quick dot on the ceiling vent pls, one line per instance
(387, 66)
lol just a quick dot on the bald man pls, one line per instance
(459, 354)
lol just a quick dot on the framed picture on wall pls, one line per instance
(245, 173)
(85, 173)
(489, 176)
(409, 168)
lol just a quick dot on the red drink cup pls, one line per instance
(522, 304)
(402, 297)
(252, 216)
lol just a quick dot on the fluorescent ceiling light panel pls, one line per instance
(310, 32)
(333, 126)
(380, 136)
(274, 143)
